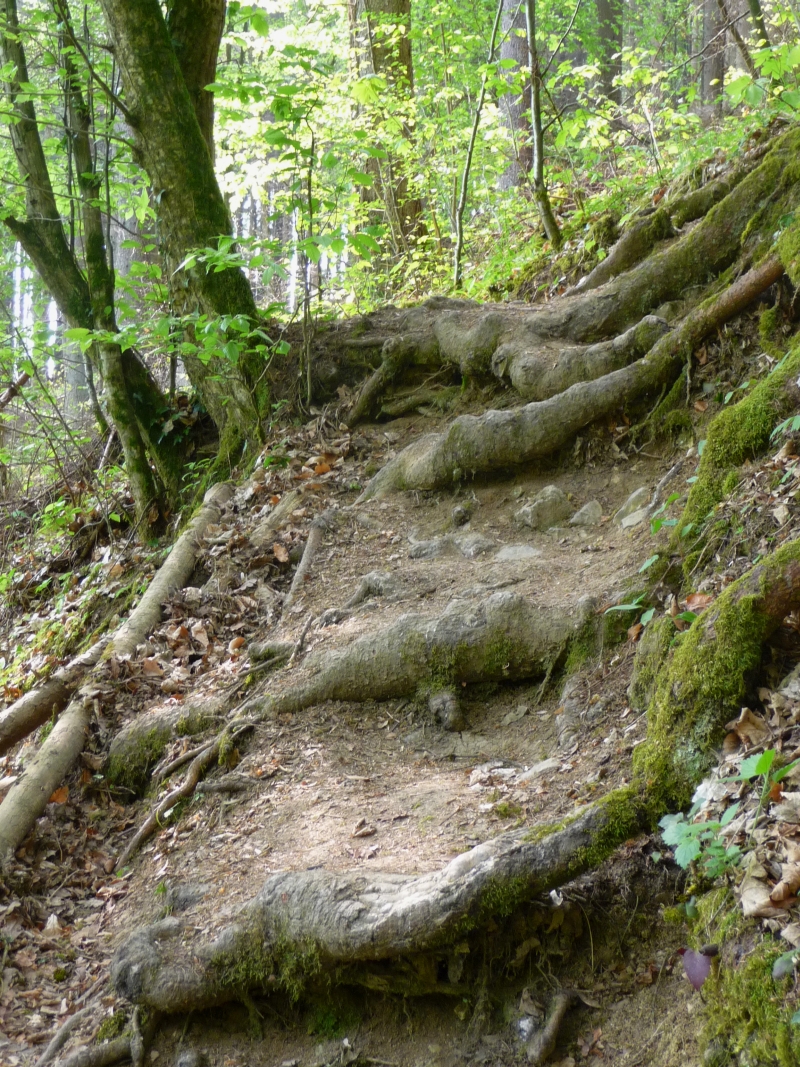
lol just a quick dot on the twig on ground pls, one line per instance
(543, 1042)
(196, 770)
(61, 1036)
(298, 648)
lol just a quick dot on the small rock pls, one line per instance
(444, 705)
(439, 546)
(509, 553)
(519, 712)
(638, 499)
(790, 686)
(547, 766)
(191, 1058)
(471, 545)
(589, 515)
(634, 519)
(460, 515)
(548, 508)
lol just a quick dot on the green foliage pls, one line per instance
(701, 842)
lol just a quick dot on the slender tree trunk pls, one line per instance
(391, 58)
(539, 187)
(146, 493)
(741, 44)
(713, 71)
(757, 18)
(192, 211)
(516, 108)
(609, 21)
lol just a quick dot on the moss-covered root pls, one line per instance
(500, 439)
(705, 680)
(636, 242)
(316, 921)
(740, 433)
(506, 638)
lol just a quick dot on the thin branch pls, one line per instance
(112, 96)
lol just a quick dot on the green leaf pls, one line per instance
(755, 765)
(701, 446)
(784, 964)
(729, 814)
(259, 23)
(780, 774)
(77, 333)
(687, 852)
(648, 563)
(647, 616)
(686, 616)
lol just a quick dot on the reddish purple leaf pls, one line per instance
(696, 965)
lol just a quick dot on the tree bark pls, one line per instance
(610, 27)
(713, 70)
(196, 27)
(192, 210)
(516, 107)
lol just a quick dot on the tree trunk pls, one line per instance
(195, 27)
(610, 27)
(391, 58)
(192, 211)
(516, 108)
(713, 72)
(85, 301)
(540, 194)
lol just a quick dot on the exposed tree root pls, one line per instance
(543, 1043)
(329, 919)
(637, 241)
(321, 525)
(35, 707)
(28, 796)
(355, 926)
(133, 1046)
(505, 638)
(395, 356)
(500, 439)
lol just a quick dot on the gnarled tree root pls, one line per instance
(28, 796)
(504, 639)
(330, 919)
(499, 439)
(354, 926)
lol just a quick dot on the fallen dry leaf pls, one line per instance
(788, 885)
(60, 796)
(281, 555)
(751, 729)
(152, 666)
(697, 601)
(756, 901)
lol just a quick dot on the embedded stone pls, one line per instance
(548, 508)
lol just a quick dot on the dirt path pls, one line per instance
(369, 786)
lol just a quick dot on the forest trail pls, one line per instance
(396, 699)
(371, 786)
